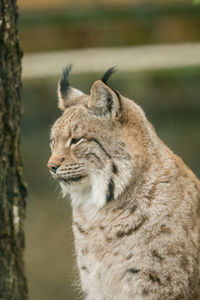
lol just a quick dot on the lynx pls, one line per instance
(136, 205)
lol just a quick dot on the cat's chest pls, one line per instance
(108, 239)
(107, 254)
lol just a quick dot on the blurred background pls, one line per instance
(156, 47)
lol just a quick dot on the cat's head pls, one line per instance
(98, 143)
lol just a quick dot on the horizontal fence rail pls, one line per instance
(140, 58)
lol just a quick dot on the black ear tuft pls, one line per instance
(107, 74)
(64, 82)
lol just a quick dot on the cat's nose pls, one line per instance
(52, 166)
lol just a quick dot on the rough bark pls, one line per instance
(12, 188)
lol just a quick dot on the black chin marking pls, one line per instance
(110, 192)
(71, 179)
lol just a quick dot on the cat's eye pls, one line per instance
(75, 141)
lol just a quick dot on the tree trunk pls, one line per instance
(12, 188)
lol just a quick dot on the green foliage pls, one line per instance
(196, 1)
(110, 27)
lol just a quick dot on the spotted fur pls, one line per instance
(136, 205)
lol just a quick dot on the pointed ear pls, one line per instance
(104, 101)
(67, 95)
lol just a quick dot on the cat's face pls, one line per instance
(90, 143)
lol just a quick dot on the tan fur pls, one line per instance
(144, 241)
